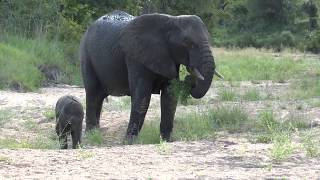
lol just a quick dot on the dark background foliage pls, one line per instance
(237, 23)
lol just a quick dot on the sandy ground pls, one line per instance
(229, 156)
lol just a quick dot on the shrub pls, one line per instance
(313, 43)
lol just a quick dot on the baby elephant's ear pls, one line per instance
(142, 40)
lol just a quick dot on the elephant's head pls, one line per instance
(163, 42)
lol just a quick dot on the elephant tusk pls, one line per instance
(197, 74)
(218, 74)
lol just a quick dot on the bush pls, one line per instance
(313, 44)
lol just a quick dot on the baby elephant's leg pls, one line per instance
(76, 136)
(63, 141)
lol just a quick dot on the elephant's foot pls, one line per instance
(130, 139)
(91, 127)
(166, 137)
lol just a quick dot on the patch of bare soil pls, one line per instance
(229, 156)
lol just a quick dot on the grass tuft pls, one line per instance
(50, 115)
(310, 145)
(252, 95)
(39, 142)
(94, 137)
(227, 95)
(5, 116)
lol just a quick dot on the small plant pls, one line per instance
(310, 145)
(268, 122)
(5, 159)
(295, 122)
(31, 125)
(42, 142)
(279, 134)
(252, 95)
(82, 154)
(228, 118)
(163, 147)
(94, 137)
(193, 126)
(149, 133)
(263, 138)
(5, 116)
(282, 147)
(50, 115)
(227, 95)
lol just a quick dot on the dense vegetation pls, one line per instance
(43, 35)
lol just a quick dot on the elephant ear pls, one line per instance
(144, 40)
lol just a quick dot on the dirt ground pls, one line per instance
(228, 156)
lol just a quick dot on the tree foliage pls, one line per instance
(259, 23)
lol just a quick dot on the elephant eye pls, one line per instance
(189, 43)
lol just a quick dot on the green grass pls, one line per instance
(94, 137)
(163, 147)
(314, 102)
(196, 126)
(120, 104)
(193, 126)
(229, 118)
(31, 125)
(310, 145)
(5, 159)
(39, 142)
(50, 115)
(150, 133)
(5, 116)
(282, 147)
(305, 88)
(271, 130)
(28, 55)
(252, 95)
(85, 154)
(253, 64)
(18, 68)
(227, 95)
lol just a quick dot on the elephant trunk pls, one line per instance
(203, 72)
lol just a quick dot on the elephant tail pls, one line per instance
(66, 129)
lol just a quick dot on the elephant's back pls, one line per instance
(115, 18)
(70, 105)
(101, 48)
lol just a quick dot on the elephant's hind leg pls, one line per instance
(93, 110)
(94, 96)
(63, 141)
(76, 138)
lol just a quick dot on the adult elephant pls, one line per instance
(138, 56)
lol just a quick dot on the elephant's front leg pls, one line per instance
(140, 100)
(168, 110)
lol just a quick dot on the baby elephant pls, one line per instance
(69, 117)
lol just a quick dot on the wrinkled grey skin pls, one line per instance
(69, 117)
(138, 56)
